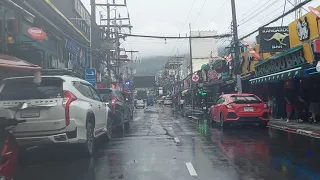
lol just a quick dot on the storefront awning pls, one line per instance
(9, 62)
(288, 74)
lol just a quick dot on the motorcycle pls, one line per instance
(9, 147)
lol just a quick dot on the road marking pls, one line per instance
(30, 148)
(191, 170)
(176, 140)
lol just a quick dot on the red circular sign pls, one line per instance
(195, 78)
(37, 33)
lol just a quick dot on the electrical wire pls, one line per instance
(214, 17)
(204, 2)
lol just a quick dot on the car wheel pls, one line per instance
(109, 129)
(222, 120)
(89, 144)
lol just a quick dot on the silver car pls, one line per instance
(60, 110)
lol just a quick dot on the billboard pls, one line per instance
(274, 39)
(144, 81)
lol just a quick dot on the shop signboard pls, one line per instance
(274, 39)
(279, 63)
(304, 29)
(91, 75)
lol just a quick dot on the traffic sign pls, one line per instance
(195, 78)
(91, 76)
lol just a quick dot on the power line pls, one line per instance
(285, 14)
(178, 37)
(257, 9)
(214, 17)
(250, 18)
(204, 2)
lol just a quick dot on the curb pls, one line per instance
(296, 131)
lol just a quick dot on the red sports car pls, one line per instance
(239, 108)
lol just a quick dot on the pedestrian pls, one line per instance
(302, 107)
(314, 103)
(271, 103)
(181, 104)
(290, 102)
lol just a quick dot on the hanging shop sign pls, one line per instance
(195, 78)
(37, 33)
(274, 39)
(286, 60)
(304, 29)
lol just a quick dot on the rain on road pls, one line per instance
(161, 145)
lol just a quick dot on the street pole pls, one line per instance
(92, 21)
(236, 47)
(191, 68)
(108, 50)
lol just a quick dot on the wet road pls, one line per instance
(161, 146)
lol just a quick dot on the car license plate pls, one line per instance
(30, 113)
(248, 109)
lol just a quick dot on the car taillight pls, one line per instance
(68, 98)
(114, 102)
(229, 106)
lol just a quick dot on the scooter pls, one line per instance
(8, 147)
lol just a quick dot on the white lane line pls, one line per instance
(176, 140)
(191, 170)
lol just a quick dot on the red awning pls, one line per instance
(10, 62)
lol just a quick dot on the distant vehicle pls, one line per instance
(167, 101)
(140, 104)
(142, 95)
(239, 108)
(120, 111)
(62, 109)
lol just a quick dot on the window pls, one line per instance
(83, 89)
(95, 95)
(119, 96)
(24, 88)
(221, 100)
(245, 99)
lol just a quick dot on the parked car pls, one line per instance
(140, 104)
(129, 102)
(120, 111)
(167, 102)
(239, 108)
(61, 110)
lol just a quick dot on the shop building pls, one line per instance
(64, 46)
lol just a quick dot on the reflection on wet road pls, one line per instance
(161, 145)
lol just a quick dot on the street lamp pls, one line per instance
(90, 34)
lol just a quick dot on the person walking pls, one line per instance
(290, 103)
(314, 103)
(181, 104)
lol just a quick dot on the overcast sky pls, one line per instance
(171, 17)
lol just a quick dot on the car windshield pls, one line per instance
(245, 99)
(25, 88)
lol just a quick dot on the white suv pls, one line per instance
(61, 110)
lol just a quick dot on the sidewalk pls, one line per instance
(305, 129)
(195, 113)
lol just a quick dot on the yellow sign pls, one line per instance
(248, 61)
(304, 29)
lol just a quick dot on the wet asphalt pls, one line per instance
(161, 145)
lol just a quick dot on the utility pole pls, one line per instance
(191, 68)
(109, 36)
(131, 70)
(92, 22)
(236, 47)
